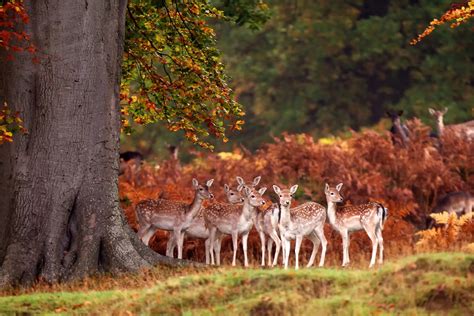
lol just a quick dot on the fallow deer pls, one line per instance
(266, 223)
(198, 228)
(399, 131)
(306, 220)
(369, 217)
(465, 130)
(233, 220)
(174, 216)
(454, 202)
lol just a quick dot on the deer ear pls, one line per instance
(326, 188)
(256, 181)
(246, 191)
(262, 190)
(432, 112)
(445, 110)
(276, 189)
(195, 183)
(388, 114)
(240, 180)
(293, 189)
(226, 188)
(240, 187)
(209, 183)
(338, 187)
(400, 113)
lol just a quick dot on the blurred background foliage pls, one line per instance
(326, 67)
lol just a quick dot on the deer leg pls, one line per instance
(180, 243)
(299, 239)
(380, 241)
(245, 238)
(345, 248)
(212, 236)
(269, 250)
(142, 231)
(287, 251)
(207, 246)
(324, 243)
(283, 249)
(278, 244)
(373, 238)
(315, 241)
(148, 234)
(217, 247)
(170, 245)
(234, 245)
(262, 241)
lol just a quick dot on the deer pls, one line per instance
(400, 133)
(175, 216)
(198, 228)
(266, 224)
(461, 130)
(306, 220)
(454, 202)
(370, 217)
(233, 220)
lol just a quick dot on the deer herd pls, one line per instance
(278, 224)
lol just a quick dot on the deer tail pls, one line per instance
(382, 213)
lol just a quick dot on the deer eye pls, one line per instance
(281, 195)
(332, 193)
(231, 193)
(253, 196)
(201, 189)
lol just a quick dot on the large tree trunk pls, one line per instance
(59, 210)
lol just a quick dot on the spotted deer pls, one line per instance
(465, 130)
(266, 224)
(174, 216)
(370, 217)
(198, 228)
(306, 220)
(233, 220)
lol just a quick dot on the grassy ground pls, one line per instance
(432, 283)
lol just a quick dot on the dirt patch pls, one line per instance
(268, 308)
(314, 288)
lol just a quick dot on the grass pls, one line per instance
(438, 283)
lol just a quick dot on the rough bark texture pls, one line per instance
(59, 209)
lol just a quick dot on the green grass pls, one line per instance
(425, 284)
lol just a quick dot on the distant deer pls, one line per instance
(233, 220)
(400, 133)
(306, 220)
(370, 217)
(465, 130)
(132, 159)
(454, 202)
(198, 228)
(175, 216)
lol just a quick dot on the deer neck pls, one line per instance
(285, 217)
(195, 206)
(440, 125)
(248, 211)
(332, 213)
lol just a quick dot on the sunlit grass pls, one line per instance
(422, 284)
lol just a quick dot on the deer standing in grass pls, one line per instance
(370, 217)
(198, 228)
(175, 216)
(306, 220)
(233, 220)
(266, 223)
(465, 130)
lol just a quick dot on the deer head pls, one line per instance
(285, 195)
(333, 193)
(439, 115)
(254, 197)
(242, 184)
(233, 196)
(202, 191)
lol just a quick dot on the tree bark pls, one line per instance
(59, 182)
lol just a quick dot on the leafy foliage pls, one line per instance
(453, 233)
(10, 123)
(408, 181)
(457, 14)
(172, 70)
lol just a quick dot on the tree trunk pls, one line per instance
(59, 209)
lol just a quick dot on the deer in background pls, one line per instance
(400, 133)
(175, 216)
(306, 220)
(369, 217)
(233, 220)
(465, 130)
(198, 228)
(454, 202)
